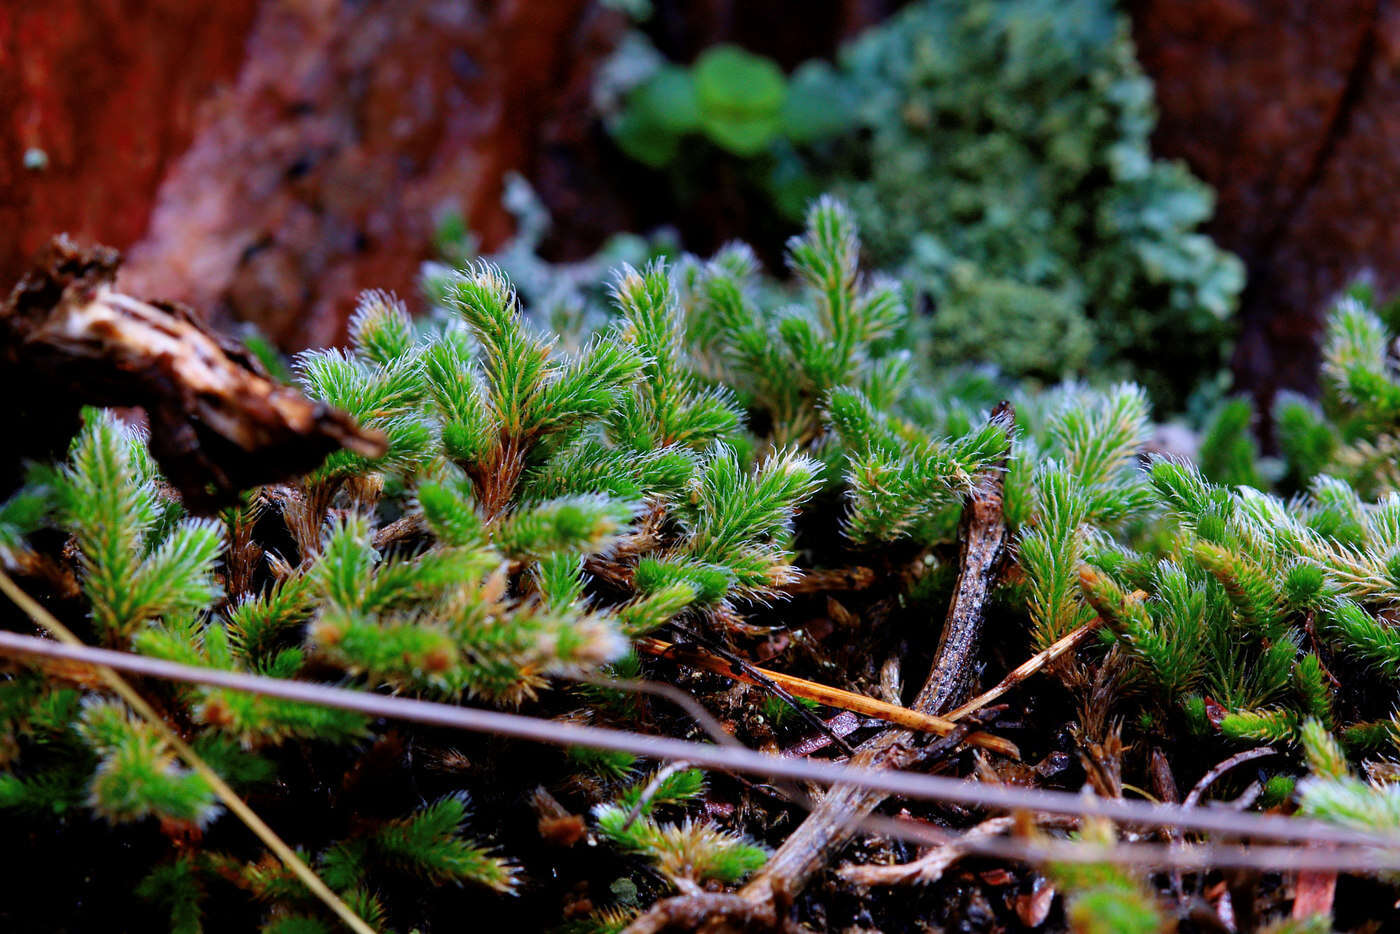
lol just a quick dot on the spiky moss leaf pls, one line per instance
(380, 329)
(559, 578)
(347, 561)
(658, 607)
(1098, 436)
(343, 865)
(1355, 359)
(1184, 491)
(1335, 512)
(178, 575)
(589, 466)
(587, 524)
(667, 406)
(429, 844)
(384, 397)
(1306, 438)
(826, 258)
(709, 582)
(690, 851)
(449, 508)
(608, 763)
(587, 386)
(1229, 454)
(1364, 635)
(1305, 586)
(400, 583)
(258, 624)
(673, 788)
(650, 307)
(406, 649)
(1165, 643)
(862, 427)
(1166, 637)
(730, 508)
(890, 493)
(110, 511)
(1277, 790)
(1114, 910)
(1368, 736)
(515, 360)
(1277, 725)
(1352, 802)
(46, 793)
(28, 509)
(1310, 680)
(468, 429)
(176, 888)
(232, 762)
(1050, 554)
(1322, 751)
(1103, 898)
(137, 775)
(177, 640)
(1251, 588)
(256, 721)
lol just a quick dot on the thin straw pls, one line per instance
(729, 758)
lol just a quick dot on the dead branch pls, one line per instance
(1220, 768)
(218, 422)
(928, 868)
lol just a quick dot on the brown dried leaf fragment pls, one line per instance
(218, 422)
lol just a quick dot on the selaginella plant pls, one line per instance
(1351, 432)
(762, 472)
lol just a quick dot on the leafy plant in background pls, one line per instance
(1354, 432)
(741, 102)
(1349, 433)
(997, 153)
(1008, 173)
(740, 105)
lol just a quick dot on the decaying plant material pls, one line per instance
(218, 423)
(756, 493)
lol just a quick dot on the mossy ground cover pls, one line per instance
(769, 471)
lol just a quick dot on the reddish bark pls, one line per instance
(350, 129)
(1286, 108)
(108, 92)
(343, 133)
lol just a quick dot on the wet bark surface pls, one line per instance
(1288, 110)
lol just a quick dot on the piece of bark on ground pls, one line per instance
(218, 423)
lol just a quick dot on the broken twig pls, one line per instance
(930, 867)
(219, 424)
(1224, 766)
(827, 696)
